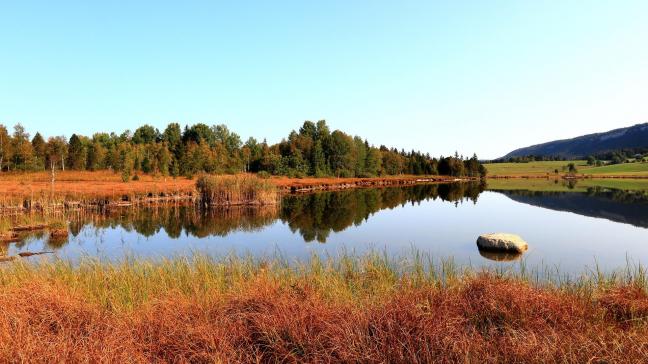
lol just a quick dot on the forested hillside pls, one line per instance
(625, 141)
(313, 150)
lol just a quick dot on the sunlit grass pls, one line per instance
(132, 282)
(531, 168)
(549, 168)
(635, 169)
(560, 185)
(347, 308)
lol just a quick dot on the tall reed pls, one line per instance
(236, 190)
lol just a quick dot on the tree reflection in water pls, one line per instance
(313, 216)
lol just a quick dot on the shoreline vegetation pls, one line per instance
(24, 192)
(346, 309)
(239, 190)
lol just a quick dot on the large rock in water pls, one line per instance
(502, 242)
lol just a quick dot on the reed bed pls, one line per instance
(243, 189)
(348, 309)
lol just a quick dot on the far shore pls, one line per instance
(108, 184)
(566, 176)
(21, 192)
(73, 189)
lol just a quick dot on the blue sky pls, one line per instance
(472, 76)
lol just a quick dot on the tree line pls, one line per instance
(530, 158)
(313, 150)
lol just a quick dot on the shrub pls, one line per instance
(58, 224)
(263, 175)
(365, 175)
(345, 173)
(125, 176)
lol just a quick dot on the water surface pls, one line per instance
(568, 228)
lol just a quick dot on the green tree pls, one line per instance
(96, 155)
(392, 163)
(146, 134)
(23, 152)
(373, 162)
(320, 167)
(359, 156)
(77, 153)
(6, 151)
(56, 151)
(38, 145)
(341, 159)
(231, 141)
(126, 161)
(164, 159)
(199, 133)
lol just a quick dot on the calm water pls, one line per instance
(570, 230)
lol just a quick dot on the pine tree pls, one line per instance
(38, 144)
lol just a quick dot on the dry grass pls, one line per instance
(366, 309)
(243, 189)
(79, 186)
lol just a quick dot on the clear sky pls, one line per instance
(472, 76)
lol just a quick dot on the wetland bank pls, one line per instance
(382, 274)
(570, 225)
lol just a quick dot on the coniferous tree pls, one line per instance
(38, 144)
(96, 156)
(77, 153)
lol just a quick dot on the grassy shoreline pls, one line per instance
(74, 188)
(352, 309)
(21, 192)
(544, 169)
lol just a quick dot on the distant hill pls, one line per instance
(625, 138)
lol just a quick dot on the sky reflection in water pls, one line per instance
(569, 230)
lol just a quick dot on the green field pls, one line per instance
(620, 169)
(531, 168)
(550, 167)
(559, 184)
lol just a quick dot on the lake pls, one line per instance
(569, 226)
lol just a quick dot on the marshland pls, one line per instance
(245, 267)
(323, 182)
